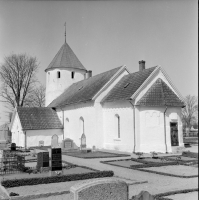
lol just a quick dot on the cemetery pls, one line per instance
(46, 166)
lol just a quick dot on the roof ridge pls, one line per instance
(142, 70)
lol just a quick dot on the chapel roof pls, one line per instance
(128, 85)
(37, 118)
(84, 90)
(160, 94)
(65, 58)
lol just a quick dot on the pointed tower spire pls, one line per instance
(65, 31)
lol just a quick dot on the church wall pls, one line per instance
(18, 135)
(152, 133)
(152, 136)
(111, 111)
(55, 86)
(78, 117)
(34, 136)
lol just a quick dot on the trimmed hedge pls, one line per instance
(55, 179)
(190, 154)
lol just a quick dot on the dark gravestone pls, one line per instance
(20, 162)
(13, 147)
(42, 160)
(56, 159)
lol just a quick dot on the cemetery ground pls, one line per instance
(138, 180)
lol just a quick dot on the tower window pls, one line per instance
(58, 74)
(72, 75)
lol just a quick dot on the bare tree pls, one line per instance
(190, 112)
(37, 97)
(17, 75)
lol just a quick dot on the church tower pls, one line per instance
(64, 70)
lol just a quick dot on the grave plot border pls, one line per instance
(162, 196)
(94, 157)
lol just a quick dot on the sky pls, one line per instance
(105, 35)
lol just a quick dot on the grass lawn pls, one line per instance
(175, 170)
(125, 163)
(96, 154)
(183, 158)
(76, 170)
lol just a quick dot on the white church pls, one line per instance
(116, 110)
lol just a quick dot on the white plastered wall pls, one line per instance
(73, 123)
(18, 135)
(125, 111)
(34, 136)
(152, 135)
(92, 113)
(55, 86)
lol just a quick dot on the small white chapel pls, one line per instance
(116, 110)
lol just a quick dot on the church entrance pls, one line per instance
(174, 134)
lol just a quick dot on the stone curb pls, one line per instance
(36, 196)
(4, 193)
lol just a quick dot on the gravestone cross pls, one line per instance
(83, 141)
(54, 141)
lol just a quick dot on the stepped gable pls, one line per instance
(160, 94)
(128, 85)
(37, 118)
(65, 59)
(84, 90)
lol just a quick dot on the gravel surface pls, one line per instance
(188, 196)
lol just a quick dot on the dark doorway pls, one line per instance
(174, 134)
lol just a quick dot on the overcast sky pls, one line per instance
(106, 34)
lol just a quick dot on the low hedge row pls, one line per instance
(190, 154)
(55, 179)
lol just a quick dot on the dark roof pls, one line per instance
(160, 94)
(84, 90)
(65, 58)
(128, 85)
(37, 118)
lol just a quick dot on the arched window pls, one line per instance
(58, 74)
(81, 125)
(118, 125)
(72, 75)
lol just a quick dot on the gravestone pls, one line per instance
(83, 141)
(13, 147)
(42, 160)
(67, 144)
(106, 188)
(144, 195)
(41, 143)
(56, 159)
(54, 141)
